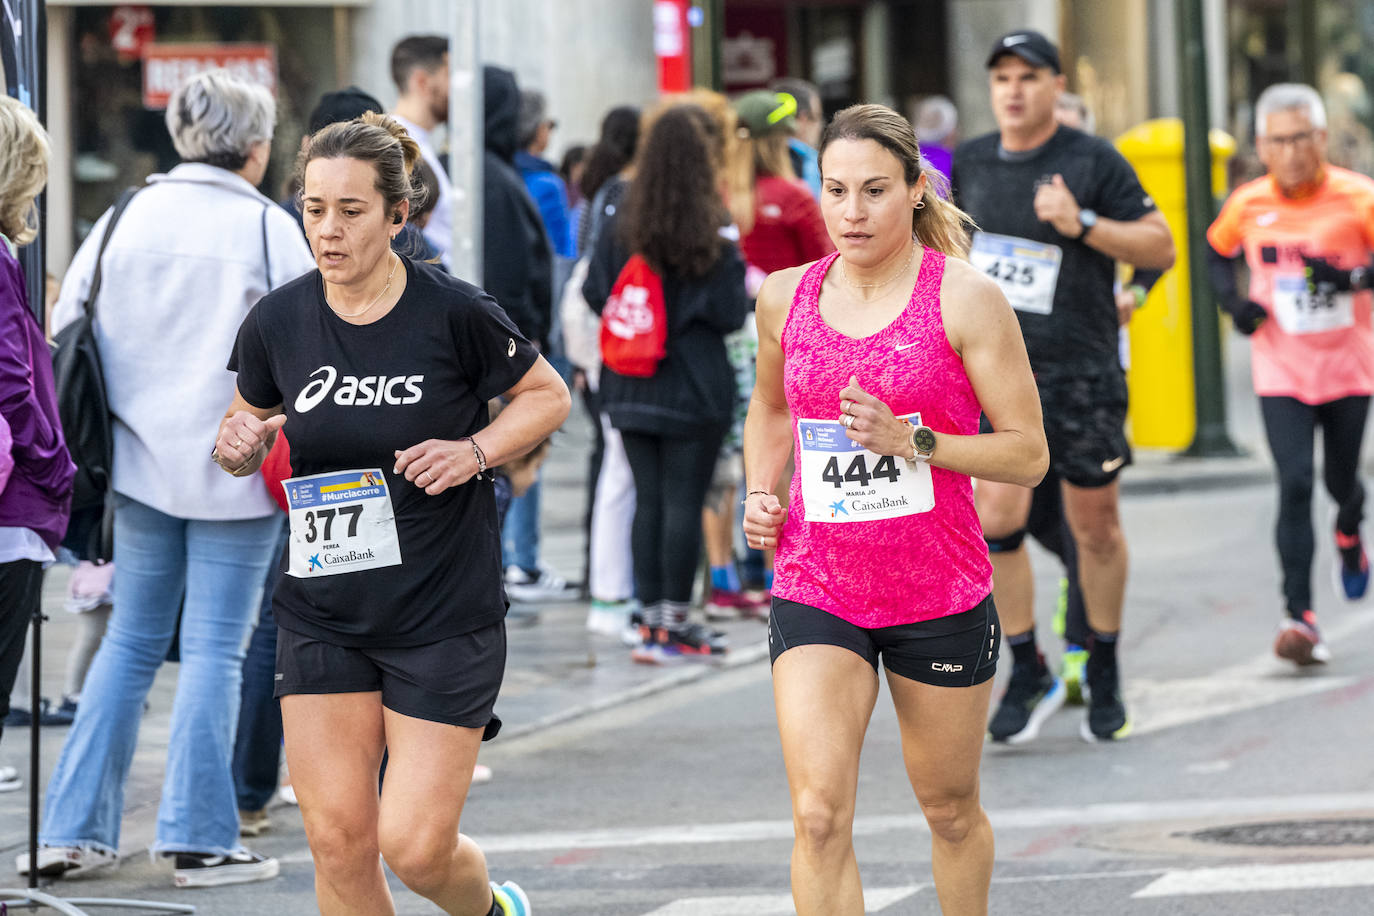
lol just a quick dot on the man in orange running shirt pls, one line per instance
(1303, 230)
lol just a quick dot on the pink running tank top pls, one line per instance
(901, 569)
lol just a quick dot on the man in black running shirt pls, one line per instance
(1056, 209)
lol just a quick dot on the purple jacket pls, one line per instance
(38, 494)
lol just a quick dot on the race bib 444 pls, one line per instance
(844, 482)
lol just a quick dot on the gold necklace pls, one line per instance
(375, 299)
(845, 273)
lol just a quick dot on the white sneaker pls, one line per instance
(55, 861)
(547, 586)
(608, 618)
(206, 870)
(9, 779)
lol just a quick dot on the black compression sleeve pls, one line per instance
(1222, 271)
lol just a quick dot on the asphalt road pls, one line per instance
(676, 804)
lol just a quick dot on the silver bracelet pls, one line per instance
(477, 453)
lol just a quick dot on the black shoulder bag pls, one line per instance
(84, 409)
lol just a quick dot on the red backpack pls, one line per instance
(634, 322)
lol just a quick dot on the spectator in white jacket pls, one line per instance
(192, 253)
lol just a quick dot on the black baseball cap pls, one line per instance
(1032, 47)
(343, 105)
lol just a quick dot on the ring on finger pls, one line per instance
(848, 421)
(238, 443)
(845, 404)
(426, 474)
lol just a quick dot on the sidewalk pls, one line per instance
(558, 671)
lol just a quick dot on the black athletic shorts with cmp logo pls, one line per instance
(959, 650)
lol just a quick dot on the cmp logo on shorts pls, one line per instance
(355, 391)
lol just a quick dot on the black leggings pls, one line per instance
(21, 588)
(1291, 427)
(671, 478)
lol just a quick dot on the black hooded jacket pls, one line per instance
(517, 262)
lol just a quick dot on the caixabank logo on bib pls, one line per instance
(359, 391)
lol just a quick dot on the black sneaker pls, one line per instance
(1107, 719)
(194, 869)
(1033, 695)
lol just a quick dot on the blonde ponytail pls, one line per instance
(940, 224)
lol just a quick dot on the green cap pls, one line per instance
(763, 112)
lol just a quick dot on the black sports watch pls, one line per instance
(922, 443)
(1087, 219)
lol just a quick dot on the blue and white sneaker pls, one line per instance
(510, 899)
(1352, 566)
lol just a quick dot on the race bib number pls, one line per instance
(844, 482)
(341, 522)
(1301, 312)
(1026, 271)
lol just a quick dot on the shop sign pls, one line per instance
(167, 66)
(132, 28)
(672, 45)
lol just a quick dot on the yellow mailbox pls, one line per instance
(1163, 412)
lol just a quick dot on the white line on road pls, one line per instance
(1248, 878)
(1015, 818)
(875, 901)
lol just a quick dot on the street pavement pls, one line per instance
(625, 789)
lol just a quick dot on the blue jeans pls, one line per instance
(520, 534)
(219, 568)
(257, 745)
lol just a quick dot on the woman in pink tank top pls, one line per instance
(874, 365)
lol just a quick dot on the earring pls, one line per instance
(920, 205)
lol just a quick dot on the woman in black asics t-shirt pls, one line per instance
(391, 610)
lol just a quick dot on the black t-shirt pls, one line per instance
(354, 395)
(1079, 335)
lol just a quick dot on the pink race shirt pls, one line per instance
(882, 542)
(1314, 349)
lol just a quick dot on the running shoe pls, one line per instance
(1106, 719)
(1071, 673)
(195, 869)
(56, 861)
(669, 646)
(510, 899)
(9, 779)
(1352, 566)
(632, 633)
(253, 823)
(694, 641)
(1300, 642)
(1032, 696)
(725, 605)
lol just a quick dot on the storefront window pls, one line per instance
(120, 142)
(1326, 43)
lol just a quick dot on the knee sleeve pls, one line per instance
(1007, 542)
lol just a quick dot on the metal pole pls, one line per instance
(466, 118)
(1209, 388)
(716, 23)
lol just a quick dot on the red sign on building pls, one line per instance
(167, 66)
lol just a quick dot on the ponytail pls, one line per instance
(940, 224)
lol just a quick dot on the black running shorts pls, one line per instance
(453, 681)
(1085, 425)
(956, 651)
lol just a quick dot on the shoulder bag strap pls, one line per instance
(115, 212)
(266, 252)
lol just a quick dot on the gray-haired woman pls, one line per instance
(190, 256)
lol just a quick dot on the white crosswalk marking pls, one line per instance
(1249, 878)
(876, 900)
